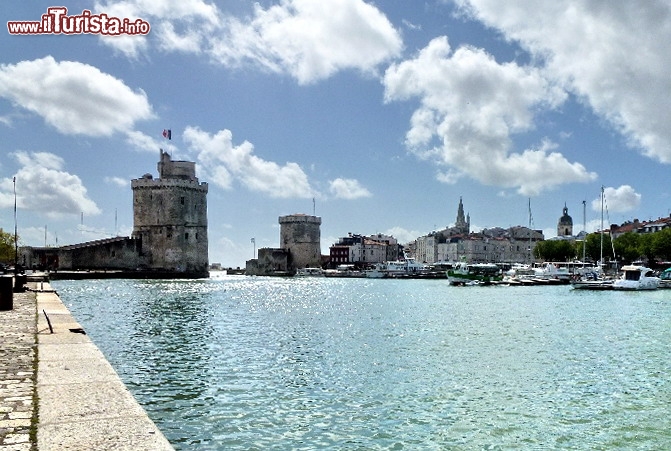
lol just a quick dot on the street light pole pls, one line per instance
(16, 242)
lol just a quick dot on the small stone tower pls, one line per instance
(170, 218)
(300, 235)
(463, 224)
(565, 224)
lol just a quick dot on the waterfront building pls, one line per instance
(637, 226)
(365, 250)
(393, 250)
(457, 243)
(486, 248)
(368, 252)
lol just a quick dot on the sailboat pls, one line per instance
(594, 280)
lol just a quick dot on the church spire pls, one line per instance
(462, 224)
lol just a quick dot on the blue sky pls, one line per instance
(385, 113)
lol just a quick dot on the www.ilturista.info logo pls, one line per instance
(57, 21)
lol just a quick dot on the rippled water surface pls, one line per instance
(247, 363)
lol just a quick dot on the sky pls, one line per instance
(375, 116)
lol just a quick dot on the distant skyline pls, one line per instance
(385, 113)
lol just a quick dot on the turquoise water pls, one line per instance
(247, 363)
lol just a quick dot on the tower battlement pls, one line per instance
(170, 217)
(300, 235)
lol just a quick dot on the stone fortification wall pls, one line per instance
(169, 203)
(301, 236)
(113, 254)
(269, 262)
(170, 218)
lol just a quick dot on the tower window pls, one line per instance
(181, 200)
(186, 236)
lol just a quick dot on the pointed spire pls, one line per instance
(462, 224)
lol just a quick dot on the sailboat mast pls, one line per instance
(584, 230)
(531, 260)
(601, 256)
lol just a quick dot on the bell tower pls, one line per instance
(565, 224)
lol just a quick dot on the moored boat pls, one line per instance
(665, 279)
(474, 274)
(592, 284)
(397, 269)
(591, 280)
(309, 272)
(636, 277)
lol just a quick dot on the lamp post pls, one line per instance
(16, 242)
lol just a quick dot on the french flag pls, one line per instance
(167, 133)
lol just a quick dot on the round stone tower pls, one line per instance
(170, 218)
(300, 235)
(565, 224)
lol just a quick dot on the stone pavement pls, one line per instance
(57, 390)
(18, 328)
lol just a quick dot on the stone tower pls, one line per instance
(463, 224)
(300, 236)
(170, 218)
(565, 224)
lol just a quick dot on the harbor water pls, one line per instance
(252, 363)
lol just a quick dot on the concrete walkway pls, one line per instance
(80, 401)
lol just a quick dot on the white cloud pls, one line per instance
(470, 107)
(118, 182)
(224, 163)
(73, 97)
(306, 39)
(402, 235)
(187, 42)
(142, 141)
(348, 189)
(312, 40)
(196, 17)
(618, 200)
(44, 187)
(612, 55)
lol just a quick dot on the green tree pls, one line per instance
(7, 248)
(593, 247)
(554, 251)
(661, 245)
(628, 247)
(645, 246)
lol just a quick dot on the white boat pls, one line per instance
(309, 272)
(636, 277)
(378, 272)
(591, 279)
(551, 273)
(397, 268)
(665, 279)
(474, 274)
(592, 284)
(344, 271)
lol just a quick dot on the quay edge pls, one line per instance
(82, 402)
